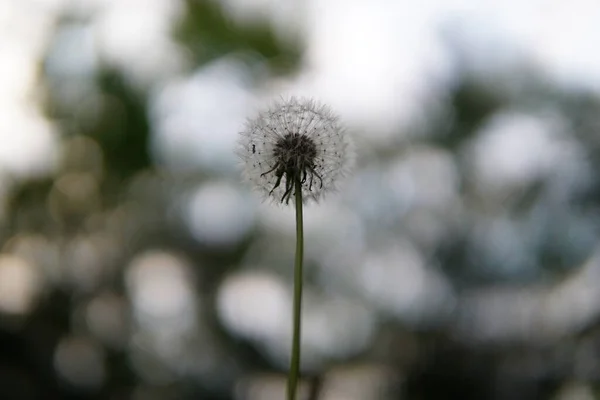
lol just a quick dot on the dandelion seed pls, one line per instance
(296, 147)
(297, 138)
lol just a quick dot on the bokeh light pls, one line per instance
(458, 260)
(20, 285)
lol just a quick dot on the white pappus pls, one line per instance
(295, 138)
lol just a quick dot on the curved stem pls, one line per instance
(295, 359)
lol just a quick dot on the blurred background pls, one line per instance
(460, 260)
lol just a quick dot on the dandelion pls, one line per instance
(297, 147)
(300, 139)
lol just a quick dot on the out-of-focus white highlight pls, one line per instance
(142, 45)
(257, 306)
(27, 140)
(20, 284)
(375, 80)
(515, 149)
(347, 382)
(576, 390)
(38, 250)
(503, 245)
(161, 291)
(532, 313)
(424, 185)
(335, 328)
(398, 281)
(80, 362)
(73, 55)
(266, 387)
(254, 305)
(574, 303)
(219, 214)
(328, 219)
(107, 318)
(425, 177)
(197, 119)
(166, 315)
(86, 261)
(357, 382)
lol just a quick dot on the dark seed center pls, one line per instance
(295, 157)
(295, 152)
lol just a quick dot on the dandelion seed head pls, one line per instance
(295, 138)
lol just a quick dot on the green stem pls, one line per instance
(295, 360)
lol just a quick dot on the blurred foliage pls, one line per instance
(128, 201)
(118, 122)
(207, 33)
(472, 105)
(123, 131)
